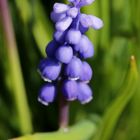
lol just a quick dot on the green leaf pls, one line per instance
(81, 131)
(114, 111)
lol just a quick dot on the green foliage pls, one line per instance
(80, 131)
(115, 82)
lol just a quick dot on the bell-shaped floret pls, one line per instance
(73, 36)
(55, 17)
(59, 36)
(60, 7)
(90, 21)
(51, 48)
(84, 93)
(70, 90)
(72, 12)
(64, 54)
(63, 24)
(47, 94)
(85, 2)
(97, 23)
(82, 28)
(86, 73)
(85, 47)
(74, 68)
(49, 69)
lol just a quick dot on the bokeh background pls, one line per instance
(115, 110)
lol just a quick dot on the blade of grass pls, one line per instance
(42, 28)
(15, 71)
(113, 113)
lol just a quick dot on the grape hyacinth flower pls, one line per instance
(64, 67)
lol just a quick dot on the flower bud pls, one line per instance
(85, 2)
(85, 20)
(82, 28)
(49, 69)
(47, 94)
(51, 48)
(82, 46)
(64, 54)
(63, 24)
(60, 7)
(90, 21)
(72, 12)
(86, 73)
(70, 90)
(73, 69)
(89, 53)
(97, 23)
(55, 17)
(85, 47)
(73, 36)
(59, 36)
(85, 93)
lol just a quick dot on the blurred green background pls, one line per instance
(113, 114)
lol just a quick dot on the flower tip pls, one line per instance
(86, 101)
(73, 79)
(42, 102)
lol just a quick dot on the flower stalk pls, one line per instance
(63, 113)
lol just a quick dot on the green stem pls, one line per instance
(15, 70)
(63, 113)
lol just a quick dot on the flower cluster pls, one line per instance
(65, 53)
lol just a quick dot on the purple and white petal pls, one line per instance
(49, 69)
(63, 24)
(74, 68)
(64, 54)
(59, 36)
(60, 7)
(84, 94)
(55, 17)
(73, 36)
(86, 73)
(47, 94)
(70, 90)
(97, 23)
(72, 12)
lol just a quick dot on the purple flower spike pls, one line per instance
(49, 69)
(60, 7)
(63, 24)
(70, 90)
(64, 54)
(73, 36)
(73, 69)
(55, 17)
(72, 12)
(84, 94)
(51, 48)
(47, 94)
(86, 73)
